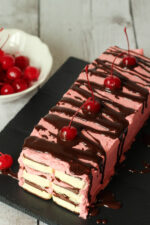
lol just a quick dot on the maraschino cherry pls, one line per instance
(20, 85)
(128, 61)
(7, 61)
(68, 133)
(1, 54)
(91, 106)
(14, 73)
(112, 82)
(6, 161)
(22, 62)
(31, 73)
(7, 89)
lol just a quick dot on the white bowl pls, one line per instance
(32, 47)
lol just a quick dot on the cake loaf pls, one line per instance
(74, 172)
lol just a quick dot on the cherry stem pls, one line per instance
(113, 63)
(76, 113)
(86, 70)
(4, 42)
(125, 31)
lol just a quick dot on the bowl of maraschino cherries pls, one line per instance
(25, 64)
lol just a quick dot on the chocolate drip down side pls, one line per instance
(56, 150)
(110, 122)
(94, 149)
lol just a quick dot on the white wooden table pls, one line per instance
(80, 28)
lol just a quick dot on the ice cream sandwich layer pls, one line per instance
(91, 158)
(73, 181)
(37, 166)
(66, 204)
(76, 198)
(36, 190)
(39, 180)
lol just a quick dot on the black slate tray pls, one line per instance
(132, 190)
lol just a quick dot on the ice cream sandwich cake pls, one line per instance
(72, 165)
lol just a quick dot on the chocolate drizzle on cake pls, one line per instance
(60, 152)
(129, 84)
(110, 121)
(39, 127)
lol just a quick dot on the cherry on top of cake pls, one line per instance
(90, 106)
(112, 82)
(128, 61)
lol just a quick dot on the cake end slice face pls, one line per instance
(34, 176)
(42, 173)
(72, 173)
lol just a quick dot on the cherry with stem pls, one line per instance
(128, 61)
(6, 60)
(68, 133)
(87, 72)
(91, 106)
(112, 82)
(5, 42)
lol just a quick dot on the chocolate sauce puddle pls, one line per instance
(101, 221)
(94, 211)
(146, 140)
(142, 171)
(9, 173)
(108, 200)
(104, 199)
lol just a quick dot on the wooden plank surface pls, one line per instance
(141, 16)
(20, 14)
(83, 29)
